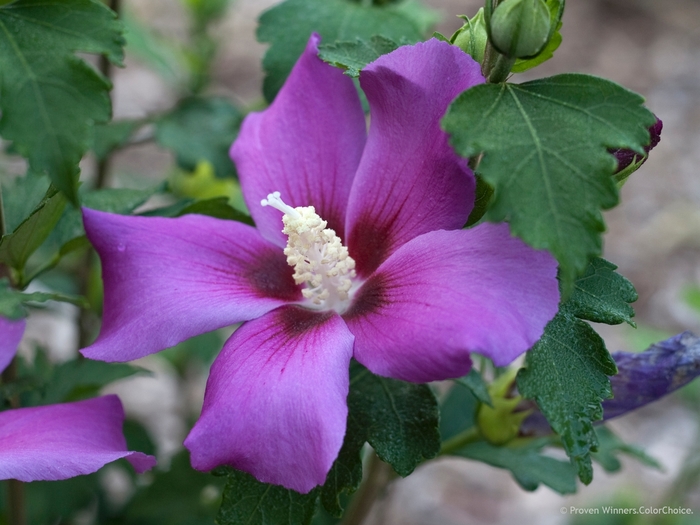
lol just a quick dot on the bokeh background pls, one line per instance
(648, 46)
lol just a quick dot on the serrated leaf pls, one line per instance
(354, 56)
(246, 500)
(601, 295)
(525, 461)
(287, 28)
(16, 247)
(201, 129)
(401, 419)
(566, 373)
(48, 96)
(545, 148)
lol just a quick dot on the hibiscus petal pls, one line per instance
(306, 145)
(61, 441)
(409, 180)
(447, 293)
(275, 404)
(167, 280)
(11, 333)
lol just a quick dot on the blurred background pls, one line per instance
(653, 236)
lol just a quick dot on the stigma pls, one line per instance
(321, 263)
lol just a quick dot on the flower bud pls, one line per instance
(500, 423)
(472, 37)
(520, 28)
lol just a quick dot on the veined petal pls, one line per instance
(11, 333)
(409, 180)
(306, 145)
(61, 441)
(167, 280)
(448, 293)
(275, 404)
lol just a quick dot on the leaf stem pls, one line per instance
(378, 476)
(462, 439)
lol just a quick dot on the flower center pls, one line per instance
(319, 259)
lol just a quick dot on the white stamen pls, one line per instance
(319, 259)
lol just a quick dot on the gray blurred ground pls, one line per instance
(654, 235)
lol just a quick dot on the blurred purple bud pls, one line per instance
(625, 157)
(642, 378)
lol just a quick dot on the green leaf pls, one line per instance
(457, 412)
(401, 419)
(346, 473)
(16, 247)
(601, 295)
(566, 373)
(201, 129)
(113, 135)
(474, 382)
(545, 148)
(525, 461)
(610, 446)
(83, 379)
(21, 197)
(287, 28)
(217, 207)
(354, 56)
(49, 97)
(246, 500)
(11, 305)
(178, 496)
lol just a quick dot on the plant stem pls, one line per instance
(106, 69)
(378, 476)
(460, 440)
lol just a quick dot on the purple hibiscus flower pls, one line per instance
(60, 441)
(409, 295)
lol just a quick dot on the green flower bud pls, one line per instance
(472, 37)
(500, 423)
(520, 28)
